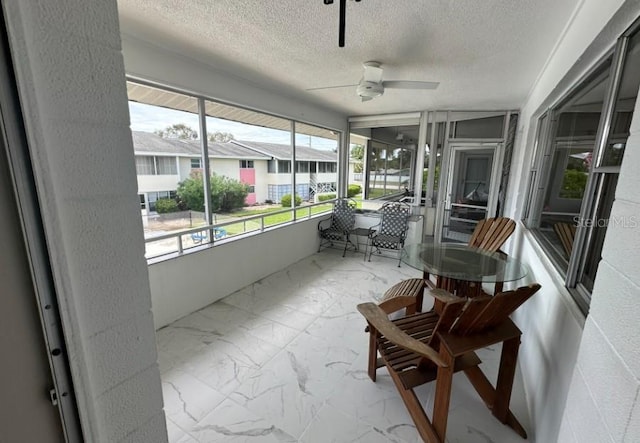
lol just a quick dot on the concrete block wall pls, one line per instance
(71, 80)
(604, 398)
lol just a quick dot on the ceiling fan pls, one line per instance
(371, 84)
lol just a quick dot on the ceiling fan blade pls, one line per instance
(372, 72)
(402, 84)
(365, 98)
(330, 87)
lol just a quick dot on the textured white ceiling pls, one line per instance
(486, 54)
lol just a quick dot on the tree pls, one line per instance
(179, 131)
(220, 137)
(226, 193)
(357, 153)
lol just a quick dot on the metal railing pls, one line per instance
(177, 242)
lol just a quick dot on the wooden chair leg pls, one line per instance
(498, 399)
(373, 354)
(423, 425)
(506, 374)
(443, 394)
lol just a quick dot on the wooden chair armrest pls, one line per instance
(378, 320)
(396, 303)
(443, 296)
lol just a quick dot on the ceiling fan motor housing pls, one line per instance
(369, 89)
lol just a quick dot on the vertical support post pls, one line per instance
(206, 168)
(293, 168)
(433, 157)
(343, 164)
(420, 153)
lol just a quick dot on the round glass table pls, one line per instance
(454, 263)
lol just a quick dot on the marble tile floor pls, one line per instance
(284, 360)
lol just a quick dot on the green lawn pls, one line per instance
(270, 220)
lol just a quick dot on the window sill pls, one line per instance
(555, 276)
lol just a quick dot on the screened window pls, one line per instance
(389, 169)
(174, 124)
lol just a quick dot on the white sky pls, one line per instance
(149, 118)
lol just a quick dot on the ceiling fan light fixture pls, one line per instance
(369, 89)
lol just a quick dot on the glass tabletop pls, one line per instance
(461, 262)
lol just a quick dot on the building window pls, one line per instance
(246, 164)
(327, 167)
(196, 163)
(251, 189)
(272, 166)
(302, 167)
(284, 166)
(580, 144)
(145, 165)
(148, 165)
(166, 166)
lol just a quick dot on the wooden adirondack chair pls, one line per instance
(423, 347)
(489, 235)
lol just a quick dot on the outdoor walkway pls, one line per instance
(284, 360)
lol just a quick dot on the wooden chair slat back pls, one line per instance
(494, 312)
(473, 308)
(491, 233)
(450, 312)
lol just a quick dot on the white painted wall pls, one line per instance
(185, 284)
(551, 322)
(155, 183)
(227, 167)
(184, 168)
(70, 74)
(262, 179)
(326, 177)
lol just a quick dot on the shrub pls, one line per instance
(165, 205)
(286, 200)
(324, 197)
(353, 190)
(226, 193)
